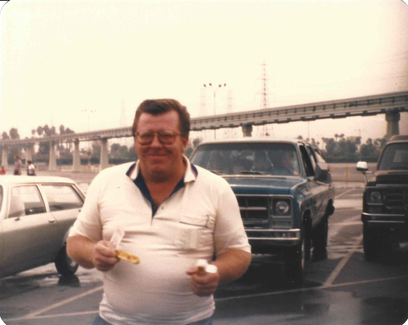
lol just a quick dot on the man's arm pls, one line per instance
(231, 265)
(89, 254)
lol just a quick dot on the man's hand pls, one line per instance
(104, 256)
(203, 284)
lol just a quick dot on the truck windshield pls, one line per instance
(394, 157)
(248, 158)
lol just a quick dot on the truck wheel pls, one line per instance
(65, 266)
(319, 238)
(296, 259)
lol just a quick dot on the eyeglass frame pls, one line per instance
(158, 137)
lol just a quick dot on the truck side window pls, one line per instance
(306, 161)
(312, 157)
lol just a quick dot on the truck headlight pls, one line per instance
(281, 208)
(375, 197)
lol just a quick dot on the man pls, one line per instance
(172, 213)
(283, 164)
(17, 165)
(30, 168)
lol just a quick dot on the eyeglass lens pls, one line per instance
(165, 137)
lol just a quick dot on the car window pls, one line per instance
(312, 157)
(395, 156)
(319, 156)
(26, 200)
(248, 158)
(62, 197)
(306, 161)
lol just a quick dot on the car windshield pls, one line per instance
(248, 158)
(395, 156)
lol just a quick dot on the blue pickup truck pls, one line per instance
(285, 195)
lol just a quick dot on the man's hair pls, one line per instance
(159, 106)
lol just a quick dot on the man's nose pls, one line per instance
(156, 142)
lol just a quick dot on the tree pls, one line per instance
(14, 134)
(5, 136)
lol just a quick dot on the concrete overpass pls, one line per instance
(391, 105)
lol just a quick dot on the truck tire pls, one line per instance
(296, 259)
(65, 266)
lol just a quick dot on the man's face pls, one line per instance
(159, 161)
(287, 158)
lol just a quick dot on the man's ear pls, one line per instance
(185, 142)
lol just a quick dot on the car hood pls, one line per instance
(262, 185)
(390, 177)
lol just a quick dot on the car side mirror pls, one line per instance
(362, 166)
(322, 173)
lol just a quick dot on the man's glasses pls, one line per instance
(165, 136)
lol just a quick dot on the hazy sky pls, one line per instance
(62, 57)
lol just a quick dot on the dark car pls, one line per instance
(284, 192)
(385, 201)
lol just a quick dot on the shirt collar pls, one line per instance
(189, 176)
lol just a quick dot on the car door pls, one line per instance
(65, 203)
(29, 231)
(318, 190)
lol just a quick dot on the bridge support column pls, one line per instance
(52, 165)
(29, 152)
(104, 154)
(77, 157)
(392, 119)
(4, 156)
(247, 130)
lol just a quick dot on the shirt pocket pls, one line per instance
(194, 232)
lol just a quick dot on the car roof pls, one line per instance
(254, 139)
(11, 179)
(398, 138)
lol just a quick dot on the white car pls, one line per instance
(36, 214)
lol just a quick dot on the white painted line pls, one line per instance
(275, 293)
(59, 304)
(335, 228)
(342, 263)
(344, 193)
(65, 315)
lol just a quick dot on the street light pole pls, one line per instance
(214, 89)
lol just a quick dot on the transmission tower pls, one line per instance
(265, 97)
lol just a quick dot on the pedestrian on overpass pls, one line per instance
(172, 214)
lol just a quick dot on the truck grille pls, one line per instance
(396, 197)
(253, 208)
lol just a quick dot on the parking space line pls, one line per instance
(344, 193)
(345, 284)
(343, 262)
(58, 304)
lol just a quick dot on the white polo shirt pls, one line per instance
(198, 219)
